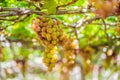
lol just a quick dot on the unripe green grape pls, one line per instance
(49, 55)
(50, 22)
(54, 29)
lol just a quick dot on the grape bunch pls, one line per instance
(104, 8)
(69, 49)
(50, 35)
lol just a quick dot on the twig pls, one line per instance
(81, 23)
(105, 30)
(13, 19)
(79, 11)
(22, 18)
(32, 3)
(23, 11)
(75, 30)
(72, 2)
(102, 24)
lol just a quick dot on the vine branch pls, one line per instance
(72, 2)
(105, 30)
(8, 12)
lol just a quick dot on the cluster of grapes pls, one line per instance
(118, 27)
(51, 36)
(86, 54)
(104, 8)
(69, 50)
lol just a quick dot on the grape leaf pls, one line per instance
(50, 5)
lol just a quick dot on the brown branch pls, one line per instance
(23, 11)
(72, 2)
(13, 19)
(34, 4)
(22, 18)
(102, 24)
(79, 11)
(85, 22)
(18, 11)
(105, 30)
(89, 21)
(76, 34)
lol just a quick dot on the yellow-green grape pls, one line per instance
(54, 42)
(42, 18)
(45, 24)
(49, 55)
(51, 22)
(43, 34)
(46, 43)
(54, 36)
(49, 30)
(44, 29)
(48, 36)
(50, 46)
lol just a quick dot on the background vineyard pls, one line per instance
(59, 40)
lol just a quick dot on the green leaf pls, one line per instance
(50, 5)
